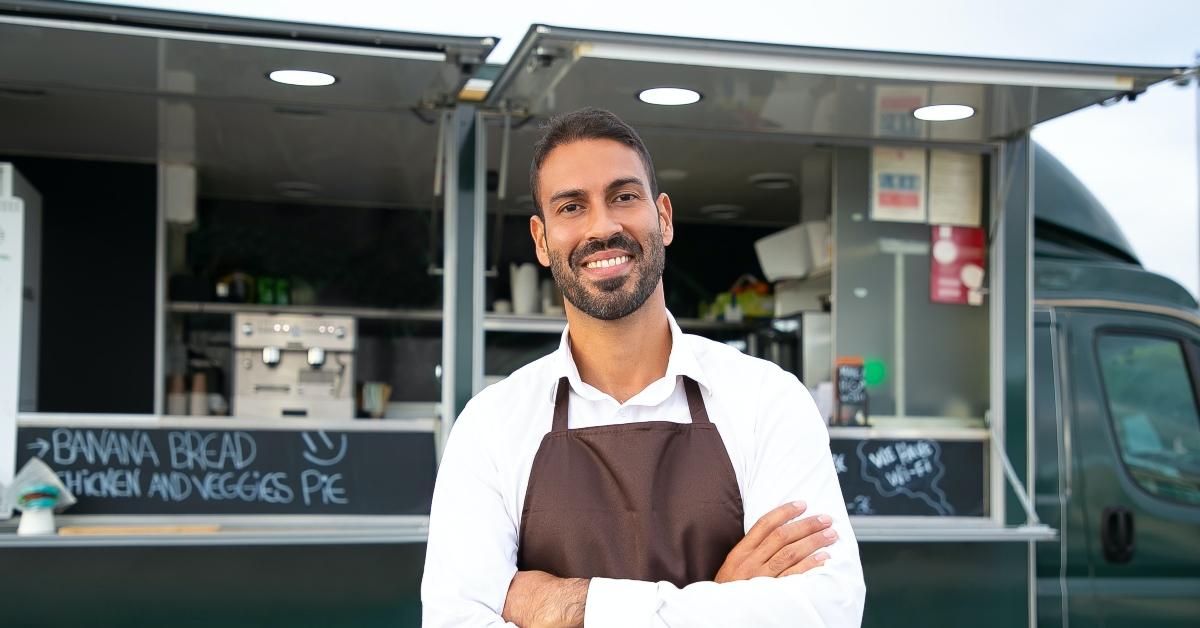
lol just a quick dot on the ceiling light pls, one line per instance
(722, 211)
(305, 78)
(297, 189)
(669, 96)
(22, 93)
(943, 113)
(772, 180)
(299, 113)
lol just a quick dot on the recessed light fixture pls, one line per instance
(297, 189)
(22, 93)
(722, 211)
(300, 113)
(304, 78)
(669, 96)
(944, 113)
(772, 180)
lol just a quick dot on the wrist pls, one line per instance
(571, 599)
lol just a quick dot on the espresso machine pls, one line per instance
(293, 365)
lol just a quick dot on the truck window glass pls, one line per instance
(1153, 411)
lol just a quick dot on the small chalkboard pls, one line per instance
(852, 386)
(918, 477)
(852, 400)
(117, 471)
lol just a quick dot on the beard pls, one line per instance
(615, 297)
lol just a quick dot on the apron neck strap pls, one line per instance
(695, 401)
(560, 405)
(694, 398)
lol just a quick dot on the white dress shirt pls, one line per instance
(777, 442)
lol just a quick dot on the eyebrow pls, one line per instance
(579, 193)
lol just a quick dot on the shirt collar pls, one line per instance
(682, 361)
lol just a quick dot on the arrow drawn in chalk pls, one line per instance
(324, 452)
(42, 445)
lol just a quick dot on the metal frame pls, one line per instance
(779, 57)
(228, 29)
(175, 26)
(986, 528)
(235, 530)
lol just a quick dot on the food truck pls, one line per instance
(265, 264)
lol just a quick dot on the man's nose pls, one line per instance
(603, 223)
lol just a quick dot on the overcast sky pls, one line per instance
(1140, 159)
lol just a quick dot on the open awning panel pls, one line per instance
(149, 85)
(799, 90)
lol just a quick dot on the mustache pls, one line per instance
(616, 241)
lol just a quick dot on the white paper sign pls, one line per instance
(955, 188)
(894, 107)
(898, 184)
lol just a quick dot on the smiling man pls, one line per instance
(637, 476)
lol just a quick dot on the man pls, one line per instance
(637, 476)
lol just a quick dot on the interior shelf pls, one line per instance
(531, 323)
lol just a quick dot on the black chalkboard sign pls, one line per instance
(919, 477)
(852, 401)
(851, 384)
(118, 471)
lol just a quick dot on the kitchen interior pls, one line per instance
(302, 226)
(728, 194)
(300, 222)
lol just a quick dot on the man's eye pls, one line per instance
(569, 208)
(626, 197)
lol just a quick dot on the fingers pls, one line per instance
(789, 533)
(768, 523)
(816, 532)
(812, 562)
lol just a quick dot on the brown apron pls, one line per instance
(643, 501)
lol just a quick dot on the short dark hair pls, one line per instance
(589, 123)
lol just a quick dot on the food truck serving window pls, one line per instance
(249, 320)
(879, 231)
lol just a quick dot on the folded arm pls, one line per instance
(791, 462)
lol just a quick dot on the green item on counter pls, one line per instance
(282, 291)
(753, 297)
(266, 290)
(756, 305)
(722, 301)
(874, 372)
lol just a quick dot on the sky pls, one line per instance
(1140, 158)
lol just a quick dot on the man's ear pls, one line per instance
(537, 230)
(666, 224)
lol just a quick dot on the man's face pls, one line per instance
(603, 236)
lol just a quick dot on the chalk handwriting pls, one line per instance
(102, 447)
(910, 468)
(323, 453)
(214, 450)
(192, 465)
(839, 463)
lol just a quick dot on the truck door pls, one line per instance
(1136, 458)
(1065, 595)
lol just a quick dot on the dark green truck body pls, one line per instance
(1116, 356)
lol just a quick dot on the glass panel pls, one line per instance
(931, 359)
(1153, 410)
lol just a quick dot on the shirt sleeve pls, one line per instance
(471, 554)
(791, 461)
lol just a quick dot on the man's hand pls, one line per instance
(537, 599)
(774, 547)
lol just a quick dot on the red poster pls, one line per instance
(956, 269)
